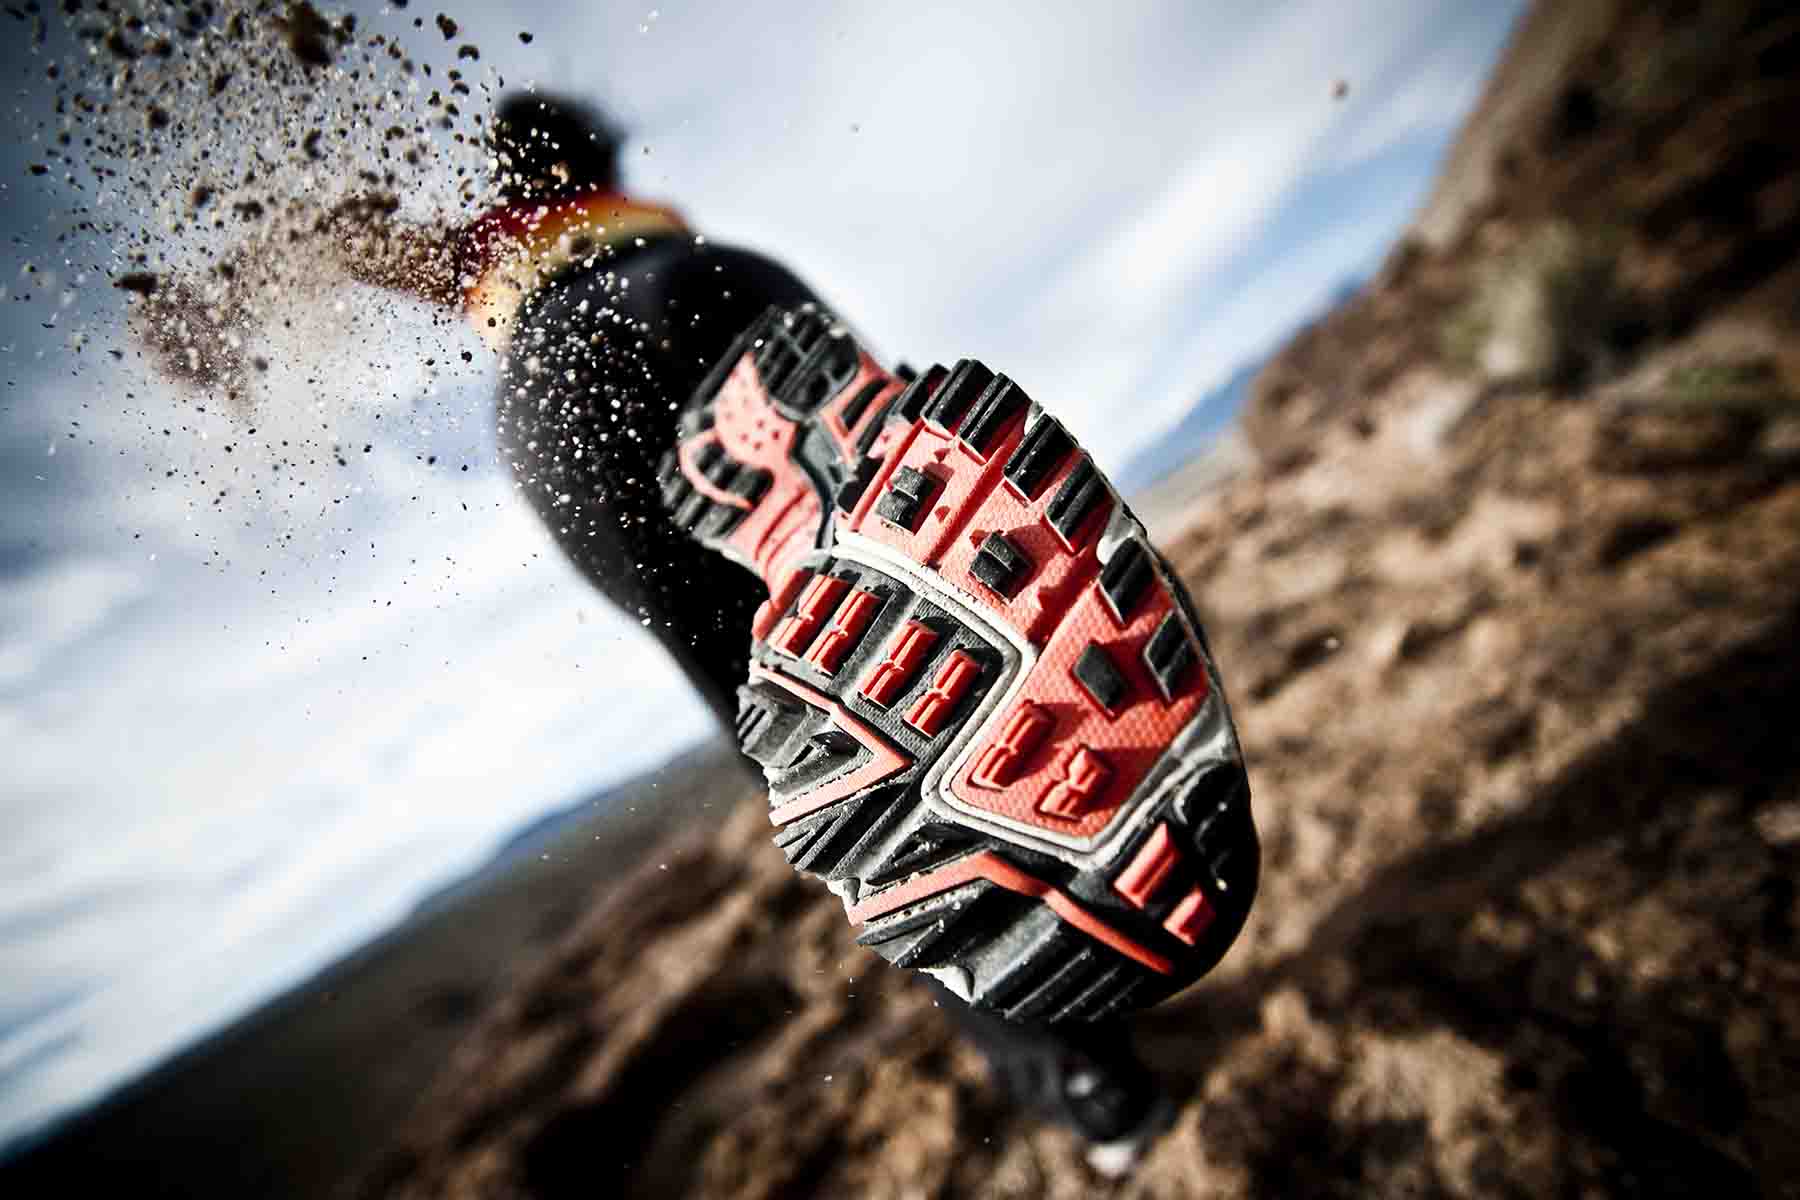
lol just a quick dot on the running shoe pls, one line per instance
(985, 708)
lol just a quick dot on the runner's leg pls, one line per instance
(599, 365)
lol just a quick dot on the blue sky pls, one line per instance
(243, 738)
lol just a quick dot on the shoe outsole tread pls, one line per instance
(984, 706)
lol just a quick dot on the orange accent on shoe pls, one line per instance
(1129, 741)
(904, 654)
(1191, 917)
(952, 683)
(770, 610)
(884, 760)
(1000, 760)
(748, 425)
(1148, 871)
(1057, 608)
(514, 250)
(810, 611)
(991, 867)
(1081, 790)
(845, 630)
(969, 494)
(690, 470)
(784, 524)
(781, 528)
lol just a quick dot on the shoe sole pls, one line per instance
(984, 706)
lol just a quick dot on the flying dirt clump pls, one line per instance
(241, 164)
(312, 39)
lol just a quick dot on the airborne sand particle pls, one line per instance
(243, 172)
(251, 213)
(223, 180)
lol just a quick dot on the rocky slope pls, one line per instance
(1506, 596)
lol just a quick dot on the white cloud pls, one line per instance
(56, 607)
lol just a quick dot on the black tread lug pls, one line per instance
(1121, 999)
(747, 483)
(1081, 492)
(966, 926)
(1000, 566)
(1083, 1004)
(826, 370)
(856, 484)
(1125, 578)
(953, 399)
(1032, 964)
(1169, 655)
(787, 342)
(770, 730)
(796, 839)
(675, 494)
(910, 404)
(851, 821)
(721, 470)
(888, 810)
(927, 924)
(1037, 456)
(865, 441)
(890, 928)
(1096, 672)
(1065, 975)
(929, 846)
(687, 514)
(750, 485)
(1207, 801)
(859, 403)
(908, 494)
(719, 521)
(998, 404)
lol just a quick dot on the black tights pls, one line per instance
(599, 365)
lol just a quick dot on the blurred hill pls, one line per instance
(1165, 478)
(1187, 439)
(1503, 584)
